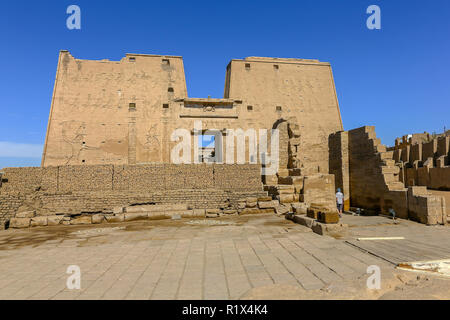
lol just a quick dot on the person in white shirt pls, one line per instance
(339, 201)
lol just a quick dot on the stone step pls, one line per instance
(386, 155)
(389, 178)
(388, 162)
(390, 170)
(396, 185)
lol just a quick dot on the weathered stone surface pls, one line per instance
(299, 208)
(213, 213)
(39, 221)
(98, 218)
(118, 210)
(26, 214)
(268, 198)
(199, 212)
(230, 212)
(187, 213)
(271, 180)
(86, 219)
(268, 204)
(251, 199)
(115, 217)
(286, 198)
(136, 216)
(335, 230)
(55, 220)
(156, 207)
(256, 211)
(285, 189)
(282, 209)
(328, 217)
(157, 215)
(18, 223)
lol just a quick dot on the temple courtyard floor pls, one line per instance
(233, 257)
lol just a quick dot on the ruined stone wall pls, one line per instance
(280, 88)
(131, 178)
(375, 184)
(339, 163)
(425, 207)
(425, 163)
(99, 188)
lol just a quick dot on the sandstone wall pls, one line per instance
(339, 163)
(375, 184)
(425, 163)
(280, 88)
(124, 112)
(132, 178)
(100, 188)
(107, 112)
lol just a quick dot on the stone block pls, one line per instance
(338, 230)
(300, 208)
(285, 189)
(297, 181)
(111, 218)
(267, 198)
(118, 210)
(268, 204)
(256, 211)
(26, 214)
(286, 198)
(328, 217)
(39, 221)
(303, 220)
(81, 220)
(199, 212)
(241, 205)
(157, 215)
(213, 213)
(54, 220)
(98, 218)
(271, 180)
(230, 211)
(312, 213)
(18, 223)
(282, 209)
(252, 204)
(135, 216)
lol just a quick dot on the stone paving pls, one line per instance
(242, 257)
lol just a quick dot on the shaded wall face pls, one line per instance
(281, 90)
(366, 182)
(92, 121)
(339, 163)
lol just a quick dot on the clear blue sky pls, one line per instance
(396, 78)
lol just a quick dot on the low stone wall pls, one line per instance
(74, 190)
(430, 177)
(134, 178)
